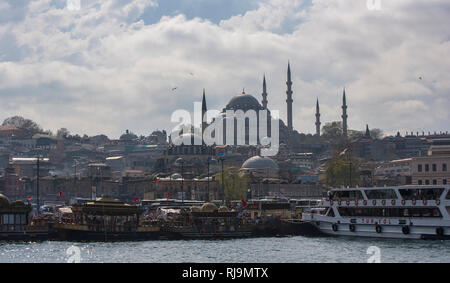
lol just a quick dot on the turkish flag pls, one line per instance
(60, 194)
(135, 200)
(243, 203)
(29, 198)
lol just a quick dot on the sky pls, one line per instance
(112, 65)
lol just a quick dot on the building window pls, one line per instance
(444, 167)
(434, 182)
(427, 167)
(419, 168)
(427, 182)
(420, 182)
(444, 181)
(434, 167)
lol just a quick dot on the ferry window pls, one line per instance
(419, 167)
(434, 167)
(420, 182)
(381, 194)
(5, 219)
(11, 218)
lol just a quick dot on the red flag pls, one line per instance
(29, 198)
(135, 200)
(158, 179)
(60, 194)
(243, 203)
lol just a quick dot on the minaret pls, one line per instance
(204, 122)
(344, 115)
(317, 118)
(289, 99)
(367, 132)
(264, 94)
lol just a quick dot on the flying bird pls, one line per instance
(174, 88)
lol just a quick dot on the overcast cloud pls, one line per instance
(112, 65)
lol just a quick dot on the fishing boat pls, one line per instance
(406, 212)
(105, 219)
(206, 222)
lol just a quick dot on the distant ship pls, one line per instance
(405, 212)
(105, 219)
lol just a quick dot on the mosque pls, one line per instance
(289, 138)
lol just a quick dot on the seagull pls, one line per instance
(191, 74)
(174, 88)
(420, 78)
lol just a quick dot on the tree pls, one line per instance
(235, 184)
(337, 171)
(62, 133)
(27, 125)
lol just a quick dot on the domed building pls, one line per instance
(260, 167)
(243, 102)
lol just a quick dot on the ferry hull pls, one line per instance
(387, 231)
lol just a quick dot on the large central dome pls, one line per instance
(243, 102)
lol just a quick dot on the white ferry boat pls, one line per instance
(407, 212)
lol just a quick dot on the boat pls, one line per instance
(404, 212)
(105, 219)
(16, 223)
(205, 222)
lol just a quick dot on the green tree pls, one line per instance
(27, 125)
(235, 184)
(337, 172)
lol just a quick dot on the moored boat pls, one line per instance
(406, 212)
(105, 219)
(206, 222)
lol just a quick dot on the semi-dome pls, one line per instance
(223, 209)
(259, 163)
(209, 207)
(4, 201)
(244, 102)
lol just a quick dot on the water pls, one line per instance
(254, 250)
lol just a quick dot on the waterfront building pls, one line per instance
(432, 169)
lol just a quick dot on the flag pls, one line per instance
(243, 203)
(158, 179)
(29, 198)
(60, 194)
(135, 200)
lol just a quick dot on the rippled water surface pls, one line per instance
(288, 249)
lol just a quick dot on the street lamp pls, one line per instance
(221, 158)
(181, 161)
(208, 161)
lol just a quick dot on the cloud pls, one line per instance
(108, 67)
